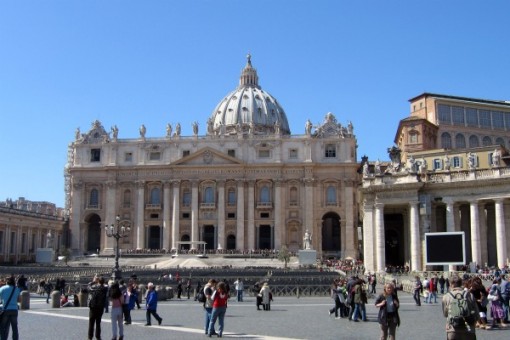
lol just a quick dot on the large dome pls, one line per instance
(248, 109)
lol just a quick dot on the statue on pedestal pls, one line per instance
(49, 240)
(307, 240)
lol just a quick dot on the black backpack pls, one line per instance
(201, 296)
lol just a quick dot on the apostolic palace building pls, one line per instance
(245, 183)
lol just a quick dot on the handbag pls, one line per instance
(7, 304)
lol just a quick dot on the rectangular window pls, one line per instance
(1, 241)
(498, 120)
(231, 197)
(185, 216)
(458, 115)
(185, 153)
(154, 156)
(443, 114)
(293, 153)
(485, 118)
(186, 199)
(32, 247)
(264, 215)
(438, 164)
(457, 162)
(128, 157)
(330, 151)
(231, 216)
(95, 155)
(264, 154)
(413, 138)
(471, 117)
(231, 152)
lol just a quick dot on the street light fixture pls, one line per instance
(118, 230)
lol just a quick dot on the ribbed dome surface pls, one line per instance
(249, 109)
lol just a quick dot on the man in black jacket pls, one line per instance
(97, 291)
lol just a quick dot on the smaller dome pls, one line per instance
(248, 109)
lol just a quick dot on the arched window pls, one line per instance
(446, 140)
(473, 141)
(460, 141)
(500, 141)
(155, 197)
(486, 141)
(231, 196)
(127, 198)
(413, 137)
(94, 198)
(331, 195)
(293, 199)
(265, 196)
(208, 195)
(186, 198)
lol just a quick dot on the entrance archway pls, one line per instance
(265, 237)
(331, 233)
(93, 233)
(208, 237)
(394, 240)
(231, 242)
(185, 238)
(154, 237)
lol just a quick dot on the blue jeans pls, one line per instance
(359, 307)
(9, 319)
(433, 295)
(219, 314)
(239, 296)
(416, 297)
(208, 312)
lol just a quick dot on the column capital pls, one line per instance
(140, 184)
(414, 202)
(111, 184)
(220, 182)
(176, 183)
(378, 205)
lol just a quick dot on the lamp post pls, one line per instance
(118, 230)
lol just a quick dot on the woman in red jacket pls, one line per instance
(219, 305)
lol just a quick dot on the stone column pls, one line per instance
(380, 246)
(74, 224)
(368, 236)
(350, 245)
(166, 215)
(476, 252)
(140, 218)
(194, 213)
(175, 214)
(111, 213)
(240, 215)
(500, 233)
(251, 214)
(450, 221)
(221, 214)
(278, 226)
(414, 226)
(308, 212)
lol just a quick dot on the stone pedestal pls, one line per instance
(44, 255)
(307, 257)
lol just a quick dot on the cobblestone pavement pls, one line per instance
(289, 318)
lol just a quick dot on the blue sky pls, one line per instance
(64, 64)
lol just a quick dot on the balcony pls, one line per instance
(207, 206)
(93, 207)
(264, 205)
(153, 206)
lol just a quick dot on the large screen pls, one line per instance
(445, 248)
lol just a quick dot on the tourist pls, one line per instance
(239, 285)
(388, 317)
(179, 289)
(360, 300)
(334, 293)
(418, 288)
(10, 296)
(467, 330)
(497, 311)
(219, 308)
(117, 300)
(267, 296)
(98, 295)
(64, 301)
(209, 289)
(479, 292)
(151, 304)
(188, 288)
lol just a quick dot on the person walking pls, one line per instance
(360, 300)
(179, 289)
(219, 308)
(188, 288)
(10, 296)
(418, 288)
(388, 317)
(151, 303)
(239, 285)
(466, 330)
(98, 296)
(336, 299)
(209, 289)
(117, 300)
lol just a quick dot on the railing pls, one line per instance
(153, 206)
(264, 205)
(207, 205)
(93, 206)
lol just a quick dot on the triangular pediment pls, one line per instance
(208, 156)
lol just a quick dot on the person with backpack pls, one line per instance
(98, 296)
(460, 311)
